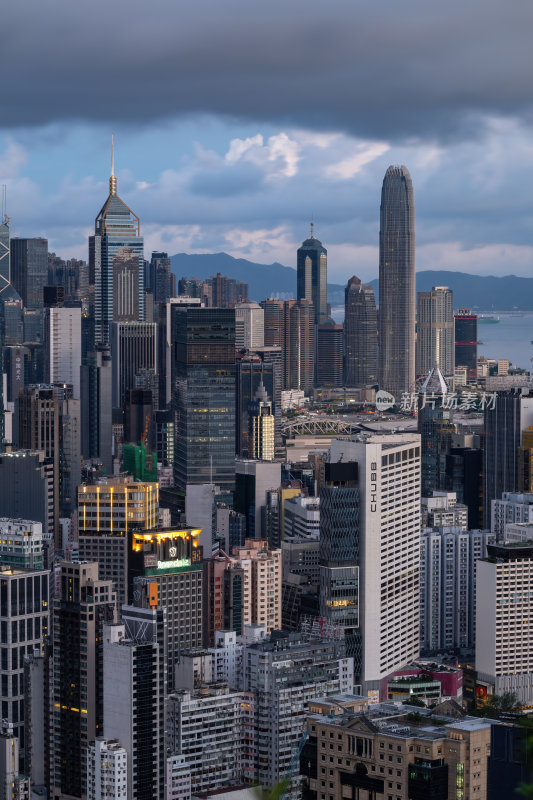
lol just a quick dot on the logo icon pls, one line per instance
(384, 400)
(173, 552)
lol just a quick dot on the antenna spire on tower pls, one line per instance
(312, 226)
(4, 204)
(112, 179)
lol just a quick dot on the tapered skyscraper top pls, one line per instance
(397, 292)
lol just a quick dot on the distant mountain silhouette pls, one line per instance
(268, 280)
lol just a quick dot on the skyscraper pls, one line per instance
(360, 334)
(329, 353)
(312, 268)
(397, 283)
(435, 332)
(466, 342)
(29, 270)
(62, 335)
(203, 380)
(133, 350)
(116, 264)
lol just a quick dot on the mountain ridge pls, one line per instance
(482, 292)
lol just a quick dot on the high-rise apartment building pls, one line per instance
(504, 422)
(509, 509)
(213, 729)
(62, 342)
(13, 783)
(312, 276)
(285, 672)
(133, 350)
(253, 479)
(249, 326)
(448, 587)
(203, 370)
(397, 283)
(504, 637)
(301, 517)
(29, 270)
(107, 770)
(435, 342)
(116, 265)
(82, 606)
(160, 277)
(388, 480)
(135, 673)
(360, 334)
(441, 509)
(466, 342)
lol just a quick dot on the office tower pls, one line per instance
(273, 322)
(24, 612)
(29, 270)
(301, 518)
(138, 418)
(289, 324)
(133, 349)
(81, 608)
(388, 478)
(12, 319)
(164, 425)
(108, 512)
(525, 461)
(192, 287)
(300, 335)
(212, 729)
(397, 283)
(37, 718)
(285, 672)
(5, 248)
(253, 369)
(312, 277)
(231, 527)
(329, 354)
(435, 426)
(27, 488)
(504, 646)
(242, 589)
(339, 554)
(512, 413)
(135, 672)
(360, 334)
(466, 342)
(253, 479)
(62, 346)
(167, 573)
(116, 265)
(49, 419)
(464, 466)
(71, 277)
(448, 557)
(160, 277)
(107, 770)
(13, 784)
(204, 396)
(261, 426)
(385, 755)
(200, 512)
(96, 407)
(435, 342)
(21, 543)
(252, 317)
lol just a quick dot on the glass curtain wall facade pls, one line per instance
(204, 396)
(360, 334)
(312, 275)
(397, 283)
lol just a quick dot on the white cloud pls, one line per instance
(11, 160)
(366, 152)
(278, 157)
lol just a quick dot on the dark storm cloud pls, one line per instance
(385, 69)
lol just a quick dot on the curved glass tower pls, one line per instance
(397, 292)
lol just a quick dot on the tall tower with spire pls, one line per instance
(116, 263)
(397, 292)
(312, 275)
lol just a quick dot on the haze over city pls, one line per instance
(235, 124)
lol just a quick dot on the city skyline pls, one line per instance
(211, 164)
